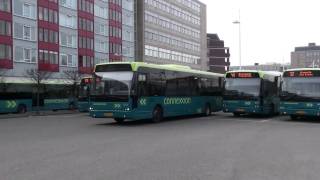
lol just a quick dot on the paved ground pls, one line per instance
(221, 147)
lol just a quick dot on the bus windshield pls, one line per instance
(243, 87)
(113, 86)
(302, 87)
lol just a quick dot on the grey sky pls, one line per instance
(270, 28)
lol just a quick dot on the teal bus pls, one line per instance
(300, 93)
(84, 94)
(136, 90)
(251, 92)
(19, 95)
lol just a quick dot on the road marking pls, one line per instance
(266, 120)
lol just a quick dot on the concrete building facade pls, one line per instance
(263, 67)
(171, 32)
(60, 35)
(306, 56)
(218, 54)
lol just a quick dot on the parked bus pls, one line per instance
(20, 96)
(300, 94)
(84, 94)
(147, 91)
(251, 92)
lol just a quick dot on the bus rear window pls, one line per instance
(113, 67)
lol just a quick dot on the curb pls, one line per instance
(41, 113)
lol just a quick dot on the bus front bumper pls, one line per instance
(299, 112)
(241, 107)
(127, 114)
(300, 108)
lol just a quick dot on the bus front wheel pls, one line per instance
(22, 109)
(157, 114)
(207, 110)
(236, 114)
(119, 120)
(294, 117)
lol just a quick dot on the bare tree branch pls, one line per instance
(74, 76)
(38, 77)
(4, 86)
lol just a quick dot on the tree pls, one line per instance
(38, 77)
(3, 84)
(74, 76)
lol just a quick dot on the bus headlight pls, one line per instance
(127, 109)
(90, 108)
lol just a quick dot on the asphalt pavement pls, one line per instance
(219, 147)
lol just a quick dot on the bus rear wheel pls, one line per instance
(157, 114)
(236, 114)
(294, 117)
(207, 110)
(119, 120)
(22, 109)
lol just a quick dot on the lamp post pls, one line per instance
(237, 22)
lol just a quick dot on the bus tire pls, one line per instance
(236, 114)
(207, 109)
(157, 114)
(119, 120)
(294, 117)
(22, 109)
(72, 106)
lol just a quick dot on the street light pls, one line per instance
(237, 22)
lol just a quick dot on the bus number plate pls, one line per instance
(108, 114)
(240, 110)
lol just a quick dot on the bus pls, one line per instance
(251, 92)
(300, 93)
(20, 95)
(136, 90)
(84, 94)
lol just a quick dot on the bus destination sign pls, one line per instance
(304, 73)
(242, 75)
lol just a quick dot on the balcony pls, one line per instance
(85, 70)
(6, 64)
(48, 67)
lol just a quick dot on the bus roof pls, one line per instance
(172, 67)
(303, 69)
(262, 74)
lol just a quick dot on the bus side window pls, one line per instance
(142, 85)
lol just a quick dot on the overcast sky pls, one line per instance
(270, 29)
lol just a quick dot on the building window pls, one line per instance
(101, 46)
(48, 15)
(5, 28)
(5, 5)
(68, 40)
(85, 6)
(87, 61)
(24, 32)
(68, 60)
(29, 11)
(5, 51)
(27, 55)
(69, 3)
(67, 21)
(86, 43)
(101, 11)
(48, 57)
